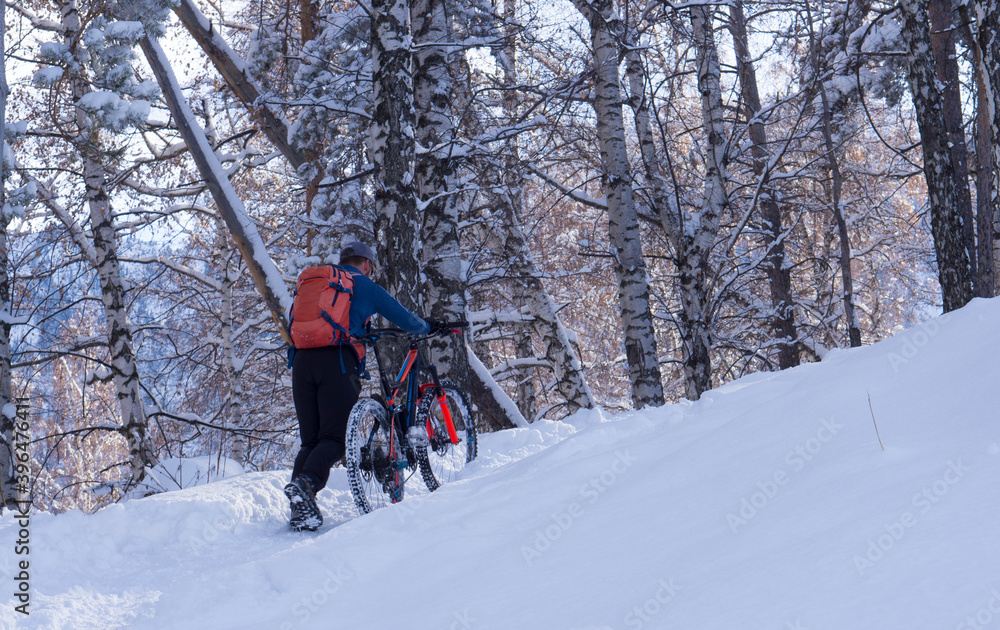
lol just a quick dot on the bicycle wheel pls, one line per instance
(369, 465)
(441, 460)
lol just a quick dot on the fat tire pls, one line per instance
(369, 419)
(440, 463)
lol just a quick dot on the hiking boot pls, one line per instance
(302, 501)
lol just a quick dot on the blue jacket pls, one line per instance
(369, 298)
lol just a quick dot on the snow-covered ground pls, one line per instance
(767, 504)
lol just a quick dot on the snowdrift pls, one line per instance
(768, 504)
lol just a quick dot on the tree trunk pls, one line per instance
(947, 225)
(233, 70)
(113, 295)
(438, 187)
(522, 271)
(985, 183)
(391, 148)
(8, 414)
(835, 189)
(779, 276)
(988, 17)
(697, 243)
(265, 273)
(630, 268)
(232, 366)
(943, 38)
(113, 292)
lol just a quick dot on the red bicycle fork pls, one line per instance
(445, 413)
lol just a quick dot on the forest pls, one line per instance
(632, 202)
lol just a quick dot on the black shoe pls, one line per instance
(295, 522)
(302, 501)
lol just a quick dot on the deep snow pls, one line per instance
(767, 504)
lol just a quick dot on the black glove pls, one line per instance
(436, 325)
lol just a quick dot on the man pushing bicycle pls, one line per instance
(332, 305)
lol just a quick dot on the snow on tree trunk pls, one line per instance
(134, 425)
(947, 225)
(699, 238)
(835, 188)
(265, 273)
(495, 408)
(233, 372)
(7, 416)
(943, 37)
(630, 268)
(694, 355)
(113, 295)
(988, 35)
(234, 71)
(391, 149)
(779, 276)
(522, 270)
(438, 186)
(985, 182)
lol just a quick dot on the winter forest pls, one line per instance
(631, 201)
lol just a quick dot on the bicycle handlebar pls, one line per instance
(447, 328)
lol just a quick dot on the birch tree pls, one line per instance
(778, 273)
(501, 179)
(262, 268)
(987, 13)
(984, 162)
(943, 36)
(9, 495)
(630, 267)
(438, 187)
(234, 71)
(698, 238)
(835, 187)
(947, 224)
(392, 152)
(94, 114)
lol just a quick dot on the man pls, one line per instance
(326, 384)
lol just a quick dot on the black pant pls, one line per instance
(325, 386)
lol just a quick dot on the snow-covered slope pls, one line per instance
(767, 504)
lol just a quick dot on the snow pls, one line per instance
(767, 504)
(112, 110)
(186, 472)
(47, 76)
(127, 30)
(263, 262)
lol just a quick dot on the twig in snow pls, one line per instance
(875, 423)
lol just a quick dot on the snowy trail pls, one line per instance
(767, 504)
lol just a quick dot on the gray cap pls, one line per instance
(357, 248)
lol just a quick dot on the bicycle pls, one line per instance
(418, 423)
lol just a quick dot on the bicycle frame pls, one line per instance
(413, 365)
(408, 377)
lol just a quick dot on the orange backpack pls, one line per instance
(321, 311)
